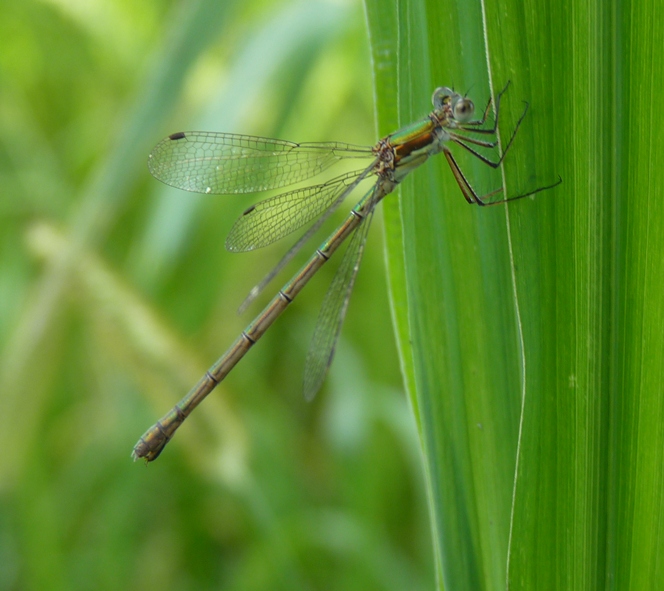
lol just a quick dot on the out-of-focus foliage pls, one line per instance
(116, 293)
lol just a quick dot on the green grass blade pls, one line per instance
(589, 488)
(535, 330)
(460, 330)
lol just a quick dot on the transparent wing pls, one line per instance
(333, 312)
(276, 217)
(223, 163)
(253, 294)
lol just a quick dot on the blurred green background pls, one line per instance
(116, 293)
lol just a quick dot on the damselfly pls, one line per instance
(223, 163)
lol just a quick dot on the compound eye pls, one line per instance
(441, 96)
(463, 109)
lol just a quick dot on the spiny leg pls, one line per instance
(471, 195)
(471, 125)
(468, 192)
(462, 139)
(515, 197)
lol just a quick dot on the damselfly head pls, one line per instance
(459, 107)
